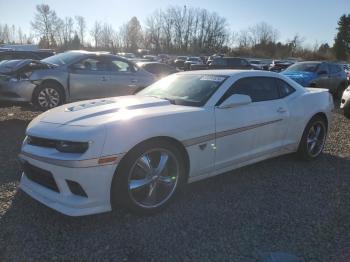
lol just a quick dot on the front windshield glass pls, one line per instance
(62, 58)
(306, 67)
(188, 90)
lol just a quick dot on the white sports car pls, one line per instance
(139, 151)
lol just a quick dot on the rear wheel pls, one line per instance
(48, 95)
(313, 139)
(149, 177)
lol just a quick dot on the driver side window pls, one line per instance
(120, 66)
(258, 88)
(92, 64)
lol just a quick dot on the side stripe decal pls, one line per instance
(205, 138)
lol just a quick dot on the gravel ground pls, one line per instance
(279, 205)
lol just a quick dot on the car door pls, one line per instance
(336, 76)
(88, 78)
(323, 78)
(249, 131)
(124, 79)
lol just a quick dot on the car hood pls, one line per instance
(107, 110)
(12, 66)
(301, 77)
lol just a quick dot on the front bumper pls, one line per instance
(95, 180)
(20, 91)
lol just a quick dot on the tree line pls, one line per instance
(176, 30)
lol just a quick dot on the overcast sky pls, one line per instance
(315, 20)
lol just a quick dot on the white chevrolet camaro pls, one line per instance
(139, 151)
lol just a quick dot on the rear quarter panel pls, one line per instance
(302, 108)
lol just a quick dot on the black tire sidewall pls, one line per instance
(119, 189)
(42, 87)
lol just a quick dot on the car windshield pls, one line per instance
(306, 67)
(62, 58)
(188, 90)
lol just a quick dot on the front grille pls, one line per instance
(42, 142)
(40, 176)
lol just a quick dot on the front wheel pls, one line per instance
(313, 139)
(48, 95)
(149, 177)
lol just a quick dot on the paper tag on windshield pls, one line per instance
(212, 78)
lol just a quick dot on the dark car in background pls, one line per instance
(319, 74)
(230, 63)
(179, 62)
(35, 55)
(280, 65)
(158, 69)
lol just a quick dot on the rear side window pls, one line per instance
(335, 69)
(258, 88)
(220, 61)
(284, 88)
(235, 62)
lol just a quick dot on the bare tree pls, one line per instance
(43, 23)
(81, 28)
(96, 32)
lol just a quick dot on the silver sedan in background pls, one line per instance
(70, 76)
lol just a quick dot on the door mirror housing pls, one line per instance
(77, 66)
(235, 100)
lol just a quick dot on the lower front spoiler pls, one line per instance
(94, 180)
(47, 197)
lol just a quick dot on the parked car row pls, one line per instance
(80, 75)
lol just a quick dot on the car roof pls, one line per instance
(150, 62)
(231, 72)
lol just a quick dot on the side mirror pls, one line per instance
(322, 72)
(235, 100)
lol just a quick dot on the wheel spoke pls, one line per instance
(144, 163)
(139, 183)
(318, 132)
(162, 163)
(312, 146)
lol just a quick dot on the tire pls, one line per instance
(48, 95)
(306, 151)
(139, 186)
(340, 90)
(347, 111)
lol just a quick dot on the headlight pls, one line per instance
(72, 147)
(59, 145)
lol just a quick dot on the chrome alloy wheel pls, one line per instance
(48, 98)
(316, 139)
(153, 178)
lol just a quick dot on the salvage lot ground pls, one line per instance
(282, 204)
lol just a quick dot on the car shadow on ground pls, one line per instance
(281, 204)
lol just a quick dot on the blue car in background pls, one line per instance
(319, 74)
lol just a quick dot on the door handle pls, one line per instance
(134, 81)
(281, 110)
(104, 79)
